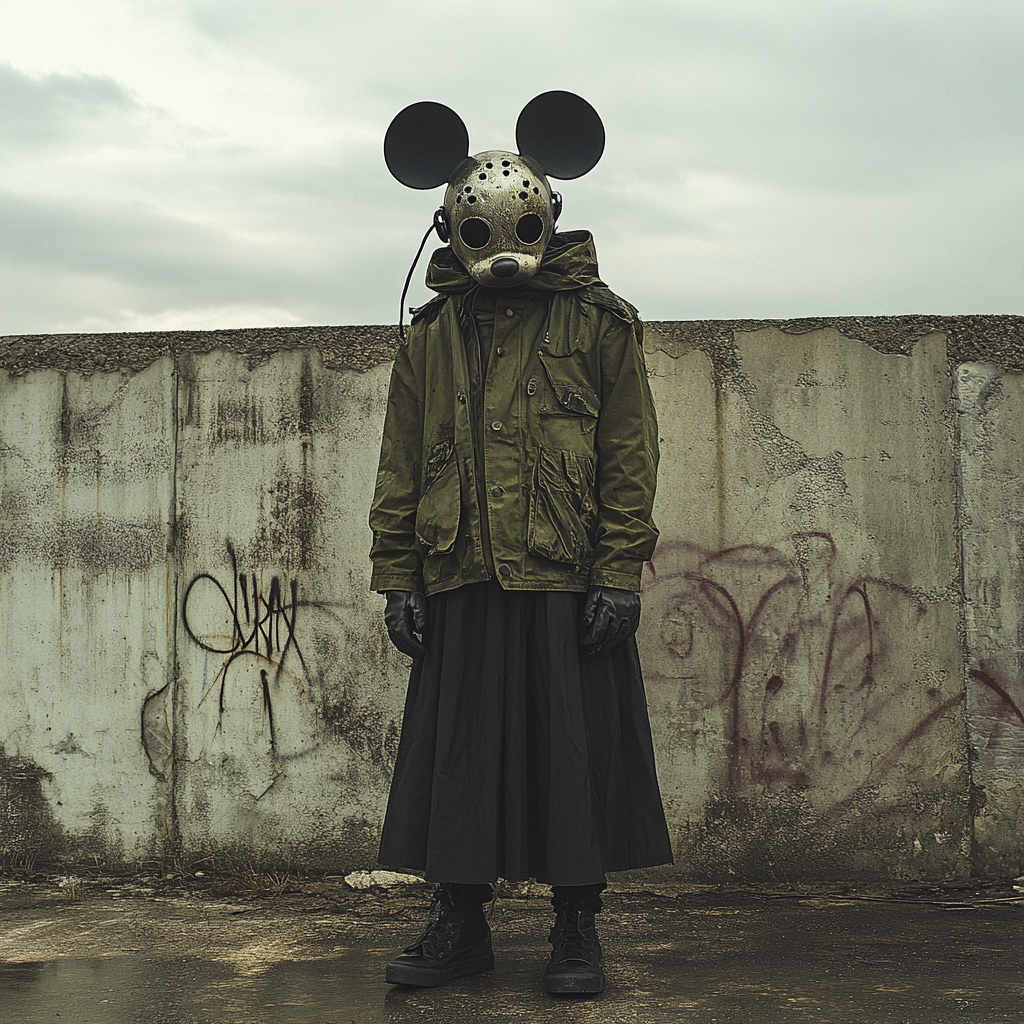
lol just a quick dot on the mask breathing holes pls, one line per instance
(470, 199)
(529, 228)
(488, 165)
(506, 163)
(475, 233)
(524, 195)
(536, 191)
(506, 173)
(483, 177)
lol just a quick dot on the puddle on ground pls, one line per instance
(739, 960)
(132, 989)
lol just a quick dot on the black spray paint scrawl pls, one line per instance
(511, 521)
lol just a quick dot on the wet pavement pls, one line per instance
(275, 949)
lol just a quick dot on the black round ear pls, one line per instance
(424, 144)
(562, 132)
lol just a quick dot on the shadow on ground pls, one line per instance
(136, 951)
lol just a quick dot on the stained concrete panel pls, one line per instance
(289, 694)
(86, 608)
(822, 628)
(800, 629)
(991, 462)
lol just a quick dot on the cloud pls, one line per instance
(49, 109)
(310, 254)
(198, 159)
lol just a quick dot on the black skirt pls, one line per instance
(521, 755)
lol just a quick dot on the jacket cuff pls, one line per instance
(384, 581)
(620, 580)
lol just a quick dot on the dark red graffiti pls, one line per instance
(814, 673)
(997, 718)
(1010, 705)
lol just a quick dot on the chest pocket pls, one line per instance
(573, 394)
(437, 516)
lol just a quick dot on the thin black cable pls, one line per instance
(408, 278)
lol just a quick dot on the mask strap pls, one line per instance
(408, 278)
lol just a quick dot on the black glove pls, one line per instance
(610, 617)
(406, 614)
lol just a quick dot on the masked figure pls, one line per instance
(511, 521)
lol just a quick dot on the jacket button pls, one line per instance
(462, 398)
(510, 312)
(501, 350)
(504, 571)
(531, 388)
(496, 425)
(497, 492)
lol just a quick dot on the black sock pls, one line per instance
(469, 899)
(578, 897)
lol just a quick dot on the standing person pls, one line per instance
(511, 521)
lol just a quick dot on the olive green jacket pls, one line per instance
(539, 469)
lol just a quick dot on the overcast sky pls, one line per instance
(173, 164)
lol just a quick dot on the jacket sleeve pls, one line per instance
(395, 554)
(627, 459)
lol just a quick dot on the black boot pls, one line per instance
(456, 944)
(577, 961)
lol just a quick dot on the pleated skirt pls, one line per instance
(522, 756)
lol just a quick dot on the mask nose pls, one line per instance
(505, 267)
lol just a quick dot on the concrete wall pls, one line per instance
(833, 625)
(991, 465)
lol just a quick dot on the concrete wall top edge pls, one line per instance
(342, 348)
(984, 338)
(997, 339)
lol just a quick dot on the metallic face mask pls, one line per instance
(501, 216)
(499, 211)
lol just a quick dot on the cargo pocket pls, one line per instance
(563, 512)
(437, 516)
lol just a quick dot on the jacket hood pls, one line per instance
(570, 262)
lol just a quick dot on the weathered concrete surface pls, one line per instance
(289, 695)
(991, 410)
(800, 633)
(194, 666)
(87, 610)
(111, 952)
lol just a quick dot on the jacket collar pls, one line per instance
(570, 262)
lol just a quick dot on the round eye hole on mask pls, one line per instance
(529, 228)
(475, 233)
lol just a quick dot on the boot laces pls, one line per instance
(569, 939)
(440, 933)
